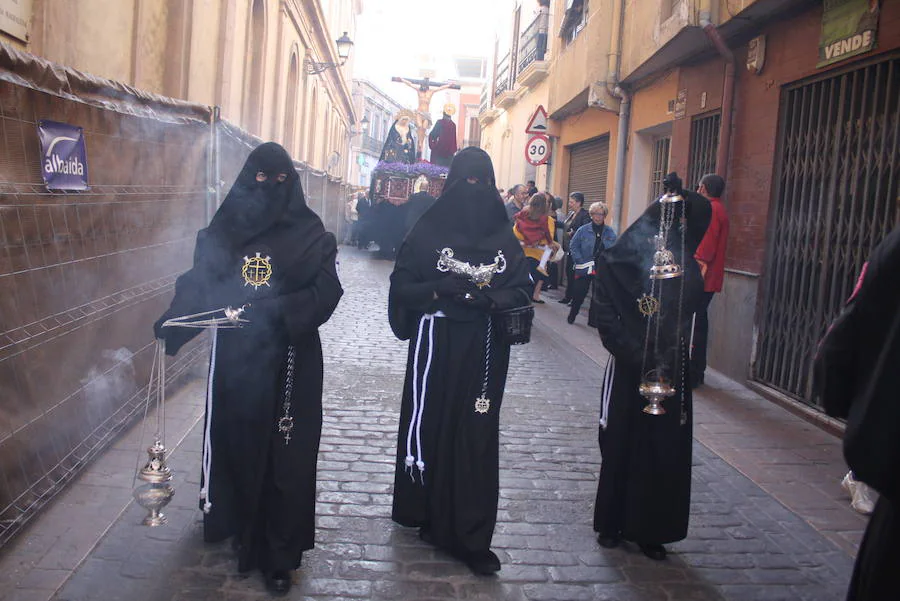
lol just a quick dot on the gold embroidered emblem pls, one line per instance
(648, 305)
(257, 271)
(482, 404)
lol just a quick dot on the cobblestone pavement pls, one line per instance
(742, 545)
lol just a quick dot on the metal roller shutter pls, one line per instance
(588, 166)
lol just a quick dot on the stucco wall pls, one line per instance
(587, 125)
(584, 61)
(505, 138)
(649, 118)
(198, 50)
(646, 29)
(204, 49)
(731, 318)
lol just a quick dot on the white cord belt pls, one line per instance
(588, 265)
(608, 377)
(419, 393)
(205, 495)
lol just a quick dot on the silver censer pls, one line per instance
(157, 492)
(655, 393)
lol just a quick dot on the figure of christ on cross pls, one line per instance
(423, 113)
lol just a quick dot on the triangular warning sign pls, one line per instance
(538, 122)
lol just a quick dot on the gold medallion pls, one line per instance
(482, 404)
(648, 305)
(257, 271)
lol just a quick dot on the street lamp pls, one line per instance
(363, 127)
(344, 45)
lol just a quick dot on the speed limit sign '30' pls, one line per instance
(537, 151)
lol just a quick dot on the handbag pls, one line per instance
(514, 325)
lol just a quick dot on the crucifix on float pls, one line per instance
(423, 88)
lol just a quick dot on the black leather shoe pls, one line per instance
(571, 318)
(657, 552)
(608, 542)
(564, 301)
(278, 582)
(425, 535)
(483, 563)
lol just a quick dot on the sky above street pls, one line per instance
(402, 37)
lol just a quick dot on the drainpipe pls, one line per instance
(723, 151)
(612, 86)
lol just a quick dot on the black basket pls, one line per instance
(514, 325)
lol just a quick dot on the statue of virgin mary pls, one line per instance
(400, 146)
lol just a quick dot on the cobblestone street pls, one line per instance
(748, 539)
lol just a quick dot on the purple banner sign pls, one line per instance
(63, 156)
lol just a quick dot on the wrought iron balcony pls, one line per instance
(531, 67)
(532, 45)
(501, 83)
(372, 145)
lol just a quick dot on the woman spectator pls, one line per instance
(535, 229)
(588, 242)
(576, 218)
(559, 217)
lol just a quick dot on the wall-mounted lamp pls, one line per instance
(363, 127)
(344, 45)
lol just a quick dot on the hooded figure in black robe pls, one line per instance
(447, 472)
(855, 376)
(645, 476)
(266, 250)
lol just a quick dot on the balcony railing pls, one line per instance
(501, 84)
(485, 103)
(372, 145)
(532, 45)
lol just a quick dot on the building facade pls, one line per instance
(808, 144)
(471, 73)
(545, 59)
(248, 57)
(379, 111)
(795, 103)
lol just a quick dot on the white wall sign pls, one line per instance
(15, 17)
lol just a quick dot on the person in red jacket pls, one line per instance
(442, 139)
(711, 257)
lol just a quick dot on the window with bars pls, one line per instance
(704, 143)
(659, 166)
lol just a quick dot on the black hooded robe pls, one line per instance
(454, 498)
(644, 490)
(854, 371)
(261, 489)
